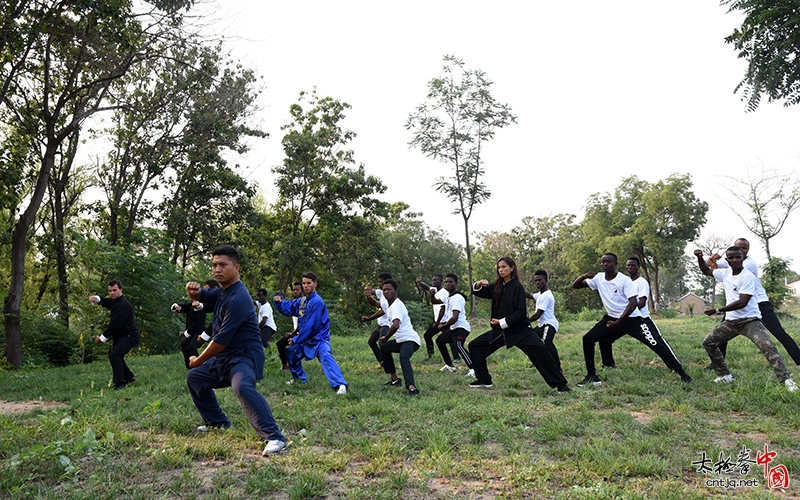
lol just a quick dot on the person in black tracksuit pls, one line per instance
(195, 334)
(510, 328)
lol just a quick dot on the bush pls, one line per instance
(590, 314)
(668, 313)
(45, 339)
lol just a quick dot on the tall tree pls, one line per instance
(459, 116)
(654, 222)
(72, 53)
(319, 187)
(769, 198)
(769, 40)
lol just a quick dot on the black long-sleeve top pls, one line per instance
(511, 308)
(195, 320)
(122, 322)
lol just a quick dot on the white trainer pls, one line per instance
(791, 386)
(290, 382)
(274, 446)
(342, 389)
(448, 368)
(470, 373)
(725, 379)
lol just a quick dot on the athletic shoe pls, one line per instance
(563, 388)
(791, 386)
(285, 367)
(274, 446)
(470, 373)
(342, 389)
(413, 392)
(395, 383)
(290, 382)
(686, 379)
(725, 379)
(210, 427)
(590, 379)
(479, 384)
(456, 360)
(448, 368)
(131, 380)
(119, 387)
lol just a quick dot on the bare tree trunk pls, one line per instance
(469, 266)
(19, 238)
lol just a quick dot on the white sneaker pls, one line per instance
(290, 382)
(273, 447)
(470, 373)
(725, 379)
(342, 389)
(791, 386)
(448, 368)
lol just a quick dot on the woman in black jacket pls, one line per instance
(510, 327)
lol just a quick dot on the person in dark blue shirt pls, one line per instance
(235, 357)
(313, 339)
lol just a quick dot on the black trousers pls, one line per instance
(429, 334)
(533, 347)
(374, 341)
(281, 345)
(547, 333)
(189, 348)
(266, 333)
(452, 338)
(773, 324)
(642, 329)
(116, 355)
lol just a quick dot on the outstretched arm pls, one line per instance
(580, 281)
(703, 265)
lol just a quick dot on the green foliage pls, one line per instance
(654, 222)
(772, 278)
(45, 339)
(150, 282)
(769, 40)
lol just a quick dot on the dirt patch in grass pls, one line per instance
(17, 407)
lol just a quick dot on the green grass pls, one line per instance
(636, 436)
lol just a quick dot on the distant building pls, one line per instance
(795, 288)
(690, 304)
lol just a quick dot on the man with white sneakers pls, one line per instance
(742, 317)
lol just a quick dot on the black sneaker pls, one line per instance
(563, 388)
(413, 392)
(590, 379)
(395, 383)
(479, 384)
(686, 379)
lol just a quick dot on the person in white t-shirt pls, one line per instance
(622, 317)
(742, 317)
(266, 320)
(438, 297)
(374, 297)
(545, 314)
(768, 316)
(455, 329)
(642, 287)
(405, 341)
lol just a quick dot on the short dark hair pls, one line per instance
(310, 275)
(116, 283)
(735, 249)
(212, 283)
(297, 283)
(635, 259)
(391, 283)
(611, 255)
(541, 272)
(384, 276)
(261, 290)
(453, 277)
(227, 250)
(742, 239)
(438, 276)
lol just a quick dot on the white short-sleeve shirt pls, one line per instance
(642, 288)
(744, 282)
(457, 302)
(614, 293)
(397, 310)
(265, 310)
(382, 320)
(546, 301)
(752, 266)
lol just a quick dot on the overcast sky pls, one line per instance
(602, 90)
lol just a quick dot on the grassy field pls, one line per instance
(636, 436)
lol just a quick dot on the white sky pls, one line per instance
(602, 90)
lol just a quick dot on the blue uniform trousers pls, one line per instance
(320, 349)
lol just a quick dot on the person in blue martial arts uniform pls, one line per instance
(313, 339)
